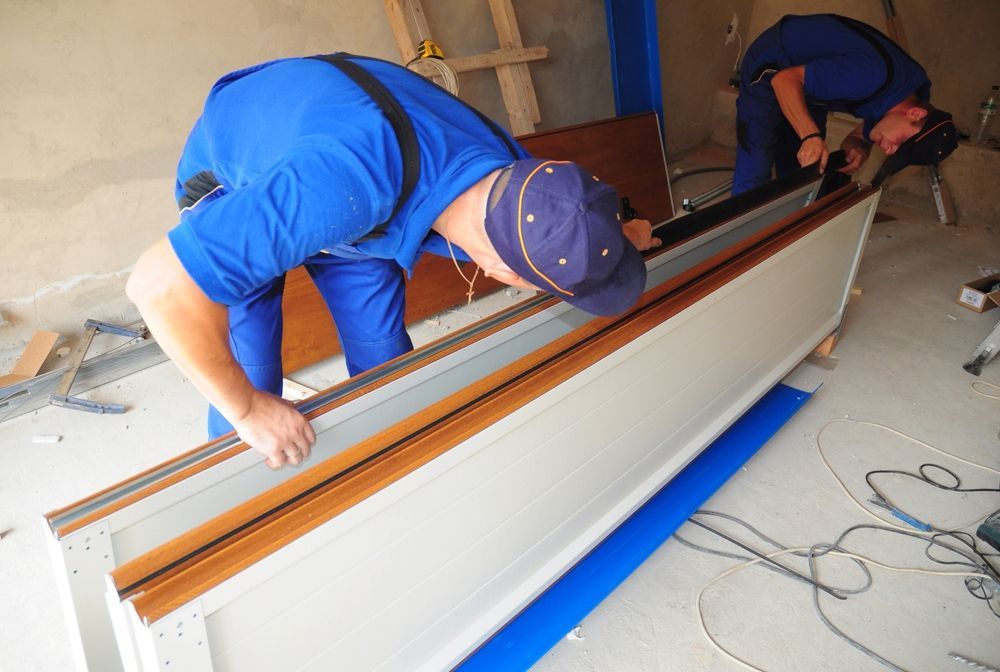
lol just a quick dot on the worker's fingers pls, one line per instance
(813, 150)
(854, 158)
(310, 438)
(294, 456)
(850, 168)
(276, 429)
(275, 460)
(640, 234)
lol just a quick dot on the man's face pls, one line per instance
(894, 129)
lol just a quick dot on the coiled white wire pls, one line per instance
(434, 69)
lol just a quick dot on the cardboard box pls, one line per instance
(976, 295)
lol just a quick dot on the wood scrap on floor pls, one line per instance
(30, 362)
(33, 393)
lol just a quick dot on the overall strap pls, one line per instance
(872, 35)
(409, 147)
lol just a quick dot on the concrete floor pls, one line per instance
(898, 362)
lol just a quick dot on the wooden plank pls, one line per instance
(309, 334)
(624, 152)
(513, 99)
(895, 25)
(515, 80)
(492, 59)
(395, 11)
(34, 393)
(32, 357)
(825, 349)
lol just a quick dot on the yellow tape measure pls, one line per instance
(428, 49)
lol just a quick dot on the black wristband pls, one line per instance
(811, 135)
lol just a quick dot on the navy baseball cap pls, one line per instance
(932, 144)
(558, 227)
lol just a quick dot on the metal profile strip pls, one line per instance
(717, 226)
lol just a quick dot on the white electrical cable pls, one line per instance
(739, 49)
(906, 570)
(843, 486)
(853, 556)
(440, 68)
(985, 394)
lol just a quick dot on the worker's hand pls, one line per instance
(640, 233)
(813, 150)
(276, 429)
(856, 152)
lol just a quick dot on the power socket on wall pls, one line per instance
(731, 28)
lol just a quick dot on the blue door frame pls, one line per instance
(635, 57)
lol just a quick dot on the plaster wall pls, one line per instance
(695, 63)
(96, 102)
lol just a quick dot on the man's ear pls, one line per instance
(916, 113)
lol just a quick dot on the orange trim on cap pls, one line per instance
(520, 231)
(924, 133)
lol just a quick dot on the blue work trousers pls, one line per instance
(764, 137)
(365, 297)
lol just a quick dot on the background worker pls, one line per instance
(353, 167)
(804, 66)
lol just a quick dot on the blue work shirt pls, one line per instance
(308, 162)
(849, 68)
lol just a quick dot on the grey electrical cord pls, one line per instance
(974, 560)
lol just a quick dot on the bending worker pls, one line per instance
(354, 167)
(804, 66)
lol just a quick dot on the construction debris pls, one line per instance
(31, 360)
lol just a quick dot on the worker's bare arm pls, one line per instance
(194, 332)
(856, 150)
(789, 89)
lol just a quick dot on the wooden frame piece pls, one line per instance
(625, 152)
(33, 393)
(633, 162)
(510, 61)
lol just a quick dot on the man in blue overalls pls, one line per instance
(353, 167)
(804, 66)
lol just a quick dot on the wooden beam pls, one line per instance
(895, 25)
(396, 10)
(493, 59)
(515, 80)
(510, 60)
